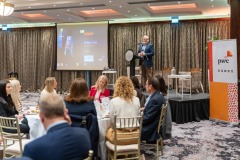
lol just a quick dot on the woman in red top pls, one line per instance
(100, 90)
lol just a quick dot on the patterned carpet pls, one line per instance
(205, 140)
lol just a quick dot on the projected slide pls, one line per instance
(82, 46)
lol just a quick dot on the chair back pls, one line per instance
(90, 154)
(90, 122)
(10, 131)
(165, 73)
(162, 117)
(127, 128)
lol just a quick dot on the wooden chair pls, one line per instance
(165, 73)
(12, 142)
(196, 82)
(161, 121)
(131, 151)
(90, 154)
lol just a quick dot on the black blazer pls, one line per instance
(85, 110)
(6, 110)
(151, 115)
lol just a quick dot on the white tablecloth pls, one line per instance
(36, 127)
(37, 130)
(103, 124)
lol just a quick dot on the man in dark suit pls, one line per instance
(146, 52)
(61, 141)
(152, 111)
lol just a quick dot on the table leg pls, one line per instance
(190, 87)
(114, 79)
(176, 86)
(168, 88)
(182, 88)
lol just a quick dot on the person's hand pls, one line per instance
(66, 117)
(143, 54)
(142, 108)
(20, 117)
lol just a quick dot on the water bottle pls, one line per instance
(173, 71)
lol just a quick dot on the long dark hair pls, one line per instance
(78, 91)
(3, 93)
(162, 85)
(135, 82)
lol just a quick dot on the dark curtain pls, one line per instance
(32, 51)
(181, 45)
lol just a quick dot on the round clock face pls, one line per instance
(129, 55)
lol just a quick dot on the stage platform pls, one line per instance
(189, 109)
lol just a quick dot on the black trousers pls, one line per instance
(24, 128)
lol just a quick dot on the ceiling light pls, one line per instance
(54, 5)
(6, 8)
(128, 11)
(110, 1)
(68, 10)
(120, 6)
(212, 5)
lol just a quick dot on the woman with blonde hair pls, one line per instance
(123, 104)
(100, 89)
(49, 89)
(15, 94)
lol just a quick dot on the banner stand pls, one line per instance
(223, 80)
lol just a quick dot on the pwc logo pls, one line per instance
(226, 60)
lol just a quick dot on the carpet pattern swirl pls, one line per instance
(204, 140)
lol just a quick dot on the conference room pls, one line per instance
(190, 46)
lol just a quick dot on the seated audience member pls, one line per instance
(152, 111)
(49, 89)
(61, 142)
(100, 89)
(162, 85)
(80, 105)
(78, 102)
(7, 107)
(123, 104)
(140, 95)
(15, 94)
(166, 130)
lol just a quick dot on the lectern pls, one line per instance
(130, 57)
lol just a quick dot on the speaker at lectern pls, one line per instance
(130, 57)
